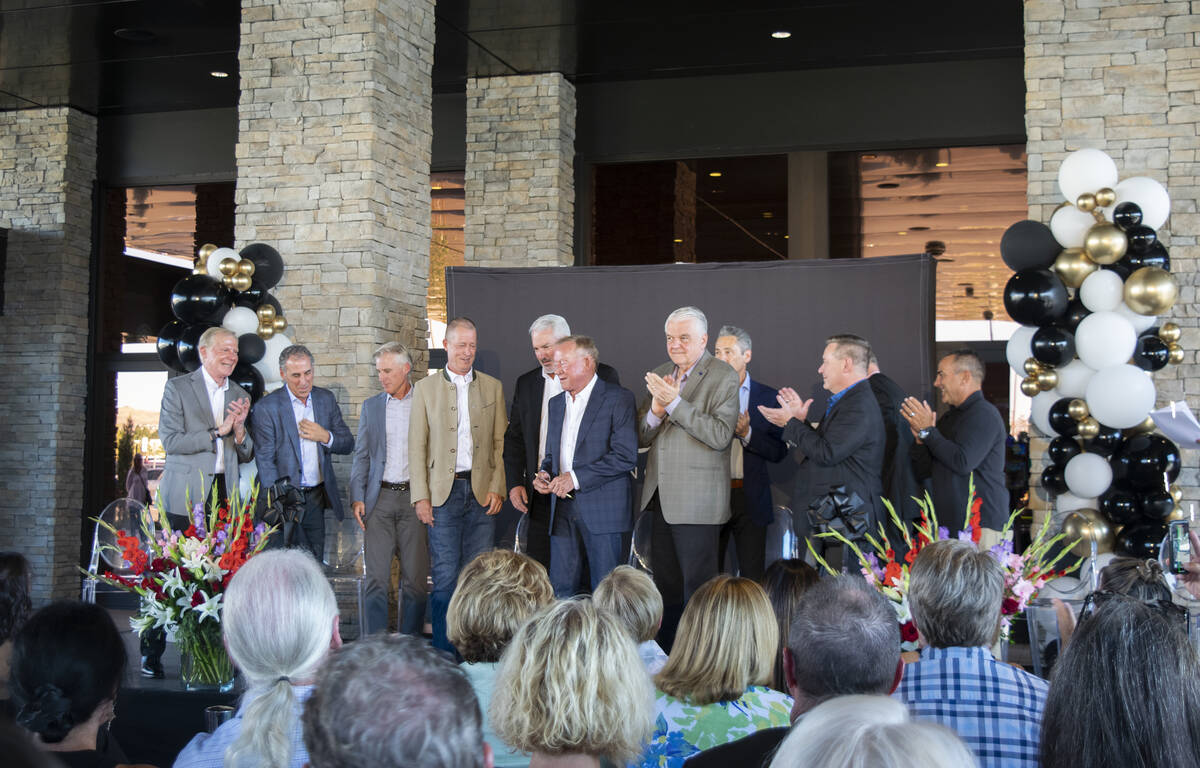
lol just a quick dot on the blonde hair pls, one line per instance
(726, 643)
(571, 682)
(630, 595)
(496, 593)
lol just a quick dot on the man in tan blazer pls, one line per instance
(456, 466)
(687, 425)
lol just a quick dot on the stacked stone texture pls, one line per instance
(1123, 77)
(520, 179)
(47, 172)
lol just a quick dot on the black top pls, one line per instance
(757, 749)
(899, 483)
(969, 438)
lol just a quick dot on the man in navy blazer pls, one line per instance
(300, 428)
(591, 448)
(756, 442)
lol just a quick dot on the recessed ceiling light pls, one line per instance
(437, 187)
(218, 73)
(918, 229)
(870, 157)
(941, 165)
(715, 174)
(901, 232)
(785, 237)
(888, 185)
(781, 34)
(870, 245)
(768, 215)
(679, 239)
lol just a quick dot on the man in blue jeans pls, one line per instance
(456, 464)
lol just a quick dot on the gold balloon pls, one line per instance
(279, 324)
(1086, 202)
(1176, 493)
(266, 314)
(228, 281)
(1174, 354)
(205, 251)
(245, 267)
(1151, 291)
(1073, 265)
(1170, 333)
(1146, 427)
(1047, 380)
(199, 269)
(1105, 197)
(228, 266)
(1029, 387)
(1089, 428)
(1088, 525)
(240, 282)
(1105, 243)
(1032, 366)
(265, 331)
(1177, 514)
(1078, 410)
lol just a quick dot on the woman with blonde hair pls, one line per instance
(571, 689)
(496, 593)
(713, 687)
(630, 595)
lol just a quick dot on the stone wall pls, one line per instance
(520, 179)
(47, 173)
(1123, 77)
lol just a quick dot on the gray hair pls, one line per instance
(393, 348)
(954, 592)
(967, 360)
(391, 701)
(585, 345)
(688, 313)
(844, 639)
(296, 350)
(462, 321)
(743, 338)
(277, 623)
(556, 323)
(209, 337)
(856, 349)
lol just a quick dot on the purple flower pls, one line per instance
(964, 535)
(943, 533)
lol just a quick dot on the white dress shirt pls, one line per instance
(736, 463)
(216, 401)
(465, 446)
(570, 430)
(396, 416)
(551, 386)
(310, 464)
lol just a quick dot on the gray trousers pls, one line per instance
(394, 530)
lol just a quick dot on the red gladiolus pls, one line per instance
(976, 525)
(892, 571)
(1009, 606)
(908, 632)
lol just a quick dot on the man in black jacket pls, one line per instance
(899, 481)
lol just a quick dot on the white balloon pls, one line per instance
(1086, 170)
(1070, 226)
(1039, 411)
(1102, 340)
(271, 386)
(269, 365)
(1148, 195)
(214, 261)
(241, 320)
(1073, 379)
(1102, 291)
(1018, 351)
(1139, 322)
(1069, 502)
(1120, 396)
(1088, 474)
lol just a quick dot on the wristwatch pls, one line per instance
(924, 433)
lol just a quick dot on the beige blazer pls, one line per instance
(688, 462)
(433, 437)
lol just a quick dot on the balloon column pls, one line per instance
(230, 289)
(1087, 292)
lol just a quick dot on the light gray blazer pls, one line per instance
(688, 462)
(370, 452)
(183, 426)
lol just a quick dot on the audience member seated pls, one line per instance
(785, 581)
(392, 701)
(280, 620)
(630, 596)
(571, 690)
(67, 664)
(1135, 577)
(955, 592)
(496, 593)
(844, 639)
(861, 731)
(713, 687)
(1126, 691)
(14, 610)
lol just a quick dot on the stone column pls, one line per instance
(520, 178)
(1123, 78)
(808, 205)
(47, 173)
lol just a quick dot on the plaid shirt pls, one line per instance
(994, 707)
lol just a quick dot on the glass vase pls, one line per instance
(204, 663)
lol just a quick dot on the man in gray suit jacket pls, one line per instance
(687, 425)
(379, 496)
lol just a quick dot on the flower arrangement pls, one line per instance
(1024, 574)
(181, 577)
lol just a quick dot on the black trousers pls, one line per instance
(749, 539)
(537, 535)
(682, 556)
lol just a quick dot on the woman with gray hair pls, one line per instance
(280, 621)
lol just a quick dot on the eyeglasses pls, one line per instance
(1166, 608)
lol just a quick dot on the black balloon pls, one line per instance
(1053, 346)
(167, 338)
(1127, 215)
(252, 296)
(1053, 479)
(274, 302)
(200, 299)
(1147, 462)
(248, 378)
(1122, 268)
(1156, 505)
(1028, 244)
(1141, 540)
(251, 348)
(268, 265)
(1060, 420)
(1035, 297)
(1150, 353)
(1062, 450)
(1106, 441)
(1154, 256)
(1140, 238)
(188, 346)
(1120, 505)
(1073, 315)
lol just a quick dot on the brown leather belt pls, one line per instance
(735, 482)
(394, 486)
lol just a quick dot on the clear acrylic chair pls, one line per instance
(346, 568)
(782, 542)
(639, 545)
(521, 537)
(121, 515)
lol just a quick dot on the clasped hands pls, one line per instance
(663, 390)
(560, 486)
(918, 414)
(791, 406)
